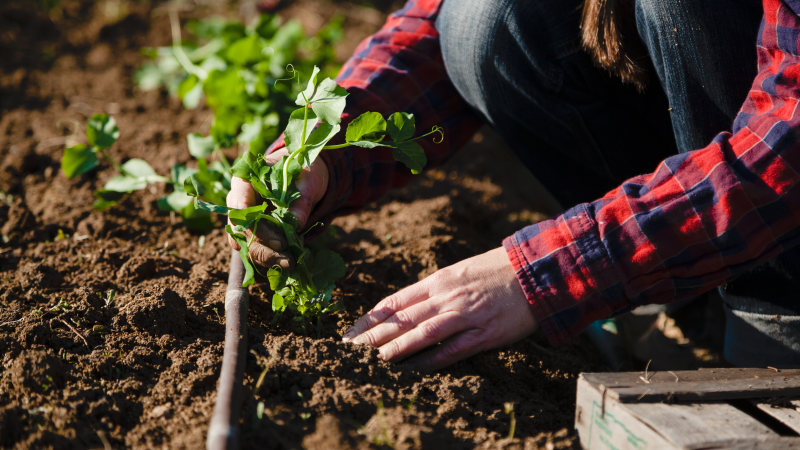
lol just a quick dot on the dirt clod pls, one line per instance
(137, 268)
(37, 370)
(19, 219)
(160, 311)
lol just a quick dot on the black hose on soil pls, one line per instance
(223, 431)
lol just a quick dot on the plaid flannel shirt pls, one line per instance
(700, 219)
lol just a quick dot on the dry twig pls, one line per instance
(76, 332)
(12, 322)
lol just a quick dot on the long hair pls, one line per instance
(609, 34)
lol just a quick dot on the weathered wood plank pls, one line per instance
(727, 374)
(686, 424)
(788, 414)
(780, 443)
(694, 391)
(606, 425)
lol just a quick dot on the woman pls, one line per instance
(588, 96)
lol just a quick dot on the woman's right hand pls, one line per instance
(270, 247)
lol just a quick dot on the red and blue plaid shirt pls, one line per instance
(700, 219)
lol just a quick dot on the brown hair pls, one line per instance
(609, 35)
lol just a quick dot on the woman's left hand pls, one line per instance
(471, 306)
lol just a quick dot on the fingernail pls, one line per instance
(284, 263)
(274, 244)
(349, 334)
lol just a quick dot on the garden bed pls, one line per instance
(140, 371)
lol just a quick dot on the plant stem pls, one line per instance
(294, 154)
(436, 129)
(114, 163)
(180, 55)
(222, 159)
(334, 147)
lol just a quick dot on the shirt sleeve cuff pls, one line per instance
(566, 273)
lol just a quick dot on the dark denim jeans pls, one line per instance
(582, 132)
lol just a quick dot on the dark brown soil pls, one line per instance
(141, 371)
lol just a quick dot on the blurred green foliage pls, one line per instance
(233, 69)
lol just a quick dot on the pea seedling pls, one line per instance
(306, 289)
(136, 174)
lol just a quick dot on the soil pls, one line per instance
(141, 369)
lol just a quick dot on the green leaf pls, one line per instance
(102, 131)
(175, 201)
(262, 190)
(210, 207)
(246, 216)
(370, 144)
(251, 80)
(199, 146)
(318, 139)
(187, 85)
(246, 50)
(106, 199)
(278, 302)
(411, 154)
(241, 239)
(225, 88)
(277, 278)
(267, 25)
(197, 219)
(140, 169)
(148, 77)
(305, 97)
(329, 101)
(190, 91)
(179, 172)
(78, 160)
(124, 183)
(276, 180)
(242, 168)
(289, 224)
(213, 63)
(251, 130)
(192, 186)
(232, 31)
(294, 130)
(208, 28)
(227, 125)
(328, 267)
(369, 126)
(401, 126)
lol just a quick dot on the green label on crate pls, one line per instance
(606, 432)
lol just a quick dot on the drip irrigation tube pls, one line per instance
(223, 431)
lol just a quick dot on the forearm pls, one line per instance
(700, 219)
(398, 69)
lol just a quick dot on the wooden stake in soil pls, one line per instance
(223, 431)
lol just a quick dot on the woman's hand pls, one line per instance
(270, 247)
(471, 306)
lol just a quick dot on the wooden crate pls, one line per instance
(704, 409)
